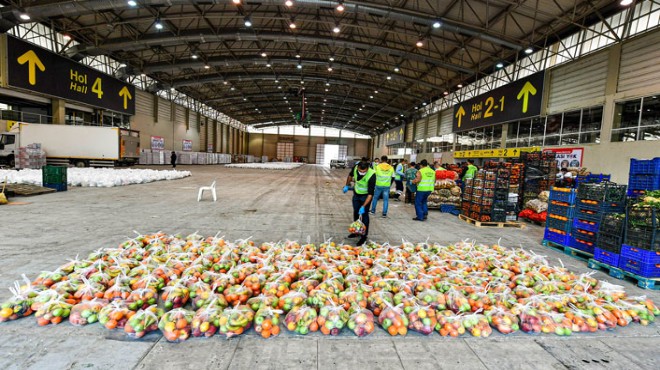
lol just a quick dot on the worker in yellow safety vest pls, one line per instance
(425, 181)
(365, 186)
(384, 174)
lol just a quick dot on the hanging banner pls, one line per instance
(187, 145)
(567, 157)
(395, 136)
(157, 143)
(495, 153)
(209, 148)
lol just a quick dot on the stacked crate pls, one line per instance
(54, 177)
(644, 175)
(593, 202)
(540, 172)
(640, 253)
(610, 238)
(486, 196)
(561, 209)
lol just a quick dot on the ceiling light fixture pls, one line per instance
(371, 96)
(132, 3)
(237, 2)
(459, 86)
(529, 50)
(158, 25)
(626, 2)
(419, 43)
(389, 77)
(207, 66)
(288, 3)
(292, 25)
(326, 90)
(499, 65)
(437, 24)
(194, 56)
(248, 22)
(299, 66)
(396, 69)
(332, 58)
(446, 92)
(336, 28)
(330, 68)
(263, 54)
(327, 83)
(224, 82)
(268, 64)
(340, 6)
(143, 75)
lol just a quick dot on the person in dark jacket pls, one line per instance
(173, 159)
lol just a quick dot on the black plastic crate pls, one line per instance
(609, 242)
(643, 217)
(605, 192)
(585, 235)
(613, 222)
(642, 238)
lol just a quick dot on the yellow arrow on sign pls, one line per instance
(31, 58)
(126, 95)
(400, 133)
(459, 114)
(527, 89)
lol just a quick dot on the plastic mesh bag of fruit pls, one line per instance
(477, 325)
(432, 298)
(356, 296)
(206, 320)
(176, 324)
(639, 312)
(457, 302)
(86, 312)
(175, 294)
(53, 312)
(301, 320)
(88, 290)
(502, 320)
(332, 319)
(262, 301)
(202, 295)
(143, 322)
(141, 298)
(20, 303)
(393, 320)
(361, 321)
(290, 300)
(378, 300)
(449, 323)
(115, 315)
(582, 321)
(422, 319)
(267, 322)
(235, 320)
(319, 298)
(357, 227)
(237, 294)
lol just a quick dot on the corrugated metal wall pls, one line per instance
(446, 119)
(578, 84)
(420, 128)
(432, 126)
(640, 63)
(144, 103)
(409, 131)
(164, 110)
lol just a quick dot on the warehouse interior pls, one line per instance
(158, 107)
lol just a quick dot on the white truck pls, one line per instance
(81, 146)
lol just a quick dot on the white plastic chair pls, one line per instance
(209, 188)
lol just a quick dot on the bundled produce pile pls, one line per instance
(31, 156)
(96, 177)
(266, 166)
(446, 191)
(202, 287)
(486, 196)
(540, 172)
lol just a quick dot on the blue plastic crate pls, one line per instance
(645, 166)
(553, 223)
(593, 178)
(588, 236)
(644, 182)
(447, 208)
(563, 196)
(607, 257)
(582, 245)
(587, 214)
(586, 224)
(561, 210)
(58, 187)
(634, 193)
(641, 255)
(556, 237)
(650, 270)
(602, 207)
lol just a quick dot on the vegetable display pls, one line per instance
(208, 286)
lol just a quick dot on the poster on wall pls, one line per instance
(567, 157)
(209, 148)
(157, 143)
(187, 145)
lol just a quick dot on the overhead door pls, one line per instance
(639, 63)
(432, 125)
(144, 103)
(420, 129)
(578, 84)
(410, 127)
(285, 151)
(446, 119)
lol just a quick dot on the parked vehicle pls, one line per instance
(337, 163)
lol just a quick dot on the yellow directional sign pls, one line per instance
(126, 95)
(524, 94)
(394, 136)
(33, 62)
(495, 153)
(459, 114)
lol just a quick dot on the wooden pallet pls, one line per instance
(615, 272)
(542, 224)
(575, 253)
(26, 190)
(490, 224)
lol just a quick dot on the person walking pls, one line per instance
(173, 159)
(383, 184)
(410, 175)
(365, 186)
(399, 177)
(425, 181)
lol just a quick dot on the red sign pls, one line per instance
(567, 157)
(187, 145)
(157, 143)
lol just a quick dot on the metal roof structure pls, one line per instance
(360, 63)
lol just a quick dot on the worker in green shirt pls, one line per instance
(471, 170)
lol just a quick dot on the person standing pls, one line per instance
(383, 184)
(411, 174)
(399, 177)
(425, 181)
(375, 163)
(470, 171)
(365, 186)
(173, 159)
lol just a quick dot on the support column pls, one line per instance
(614, 61)
(59, 116)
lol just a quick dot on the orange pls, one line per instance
(314, 326)
(266, 325)
(403, 330)
(275, 330)
(392, 330)
(181, 323)
(111, 324)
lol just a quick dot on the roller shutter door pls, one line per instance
(446, 119)
(432, 126)
(639, 63)
(164, 109)
(144, 103)
(420, 129)
(578, 84)
(409, 132)
(180, 115)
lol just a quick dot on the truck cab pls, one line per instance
(8, 147)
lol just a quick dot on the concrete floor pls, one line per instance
(269, 206)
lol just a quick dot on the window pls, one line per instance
(7, 139)
(570, 128)
(524, 129)
(592, 118)
(538, 130)
(637, 119)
